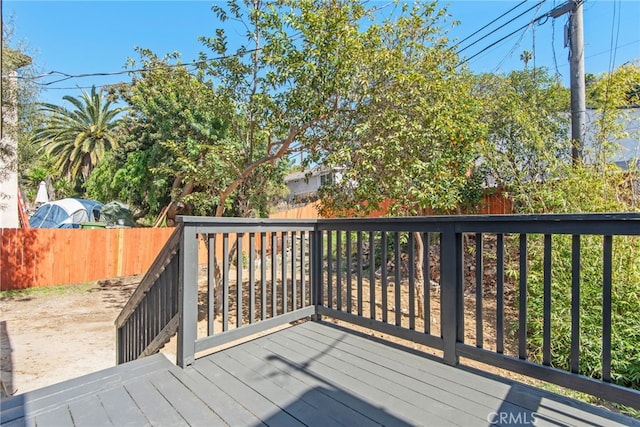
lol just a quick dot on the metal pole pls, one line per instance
(578, 97)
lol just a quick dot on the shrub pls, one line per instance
(578, 190)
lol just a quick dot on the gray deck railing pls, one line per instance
(260, 274)
(150, 317)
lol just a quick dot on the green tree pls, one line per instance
(527, 130)
(19, 95)
(611, 94)
(527, 152)
(179, 152)
(79, 137)
(318, 77)
(525, 57)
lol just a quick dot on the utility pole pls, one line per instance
(574, 40)
(578, 96)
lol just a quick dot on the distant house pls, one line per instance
(304, 186)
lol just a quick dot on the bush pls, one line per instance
(578, 190)
(625, 335)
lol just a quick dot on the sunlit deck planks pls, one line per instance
(315, 374)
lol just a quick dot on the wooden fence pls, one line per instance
(46, 257)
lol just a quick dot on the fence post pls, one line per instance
(450, 284)
(188, 297)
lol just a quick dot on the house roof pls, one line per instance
(315, 171)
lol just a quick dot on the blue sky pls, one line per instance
(78, 37)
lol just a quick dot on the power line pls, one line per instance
(602, 52)
(498, 41)
(553, 42)
(517, 44)
(502, 26)
(67, 76)
(496, 19)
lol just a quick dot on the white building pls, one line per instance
(305, 185)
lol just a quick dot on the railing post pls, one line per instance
(316, 271)
(119, 347)
(188, 297)
(451, 303)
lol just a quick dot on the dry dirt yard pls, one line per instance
(54, 334)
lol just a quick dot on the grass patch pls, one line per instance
(72, 289)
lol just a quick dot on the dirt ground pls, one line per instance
(54, 334)
(49, 335)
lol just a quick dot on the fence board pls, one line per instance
(45, 257)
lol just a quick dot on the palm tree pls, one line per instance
(525, 57)
(78, 138)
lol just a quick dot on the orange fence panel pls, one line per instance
(309, 211)
(44, 257)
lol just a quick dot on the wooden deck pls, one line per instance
(314, 373)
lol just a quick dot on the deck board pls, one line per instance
(154, 406)
(348, 401)
(314, 374)
(491, 391)
(232, 412)
(299, 404)
(55, 418)
(88, 412)
(422, 394)
(187, 404)
(348, 376)
(121, 408)
(319, 397)
(256, 403)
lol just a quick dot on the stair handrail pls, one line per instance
(166, 254)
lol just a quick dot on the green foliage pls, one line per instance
(610, 93)
(527, 129)
(617, 89)
(78, 138)
(625, 316)
(587, 189)
(412, 137)
(19, 96)
(172, 134)
(181, 146)
(527, 153)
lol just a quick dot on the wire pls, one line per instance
(513, 49)
(534, 52)
(502, 26)
(67, 76)
(612, 61)
(477, 31)
(89, 87)
(517, 44)
(498, 41)
(604, 51)
(553, 42)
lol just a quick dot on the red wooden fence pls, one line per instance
(43, 257)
